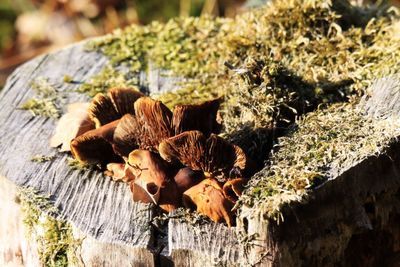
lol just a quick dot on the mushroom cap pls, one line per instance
(72, 124)
(208, 199)
(126, 135)
(214, 156)
(116, 171)
(154, 120)
(94, 146)
(144, 130)
(185, 178)
(202, 117)
(150, 171)
(107, 108)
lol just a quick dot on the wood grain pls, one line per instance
(91, 202)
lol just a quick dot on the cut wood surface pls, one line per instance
(96, 206)
(91, 202)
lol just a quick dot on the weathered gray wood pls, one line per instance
(15, 248)
(383, 97)
(91, 202)
(202, 245)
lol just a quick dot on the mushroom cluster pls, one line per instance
(172, 159)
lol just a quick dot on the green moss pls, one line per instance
(75, 164)
(42, 158)
(317, 42)
(68, 79)
(55, 242)
(320, 146)
(45, 101)
(183, 215)
(107, 78)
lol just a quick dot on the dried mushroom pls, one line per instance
(153, 122)
(214, 156)
(94, 146)
(170, 158)
(120, 172)
(233, 188)
(107, 108)
(208, 198)
(218, 160)
(72, 124)
(200, 117)
(185, 178)
(152, 176)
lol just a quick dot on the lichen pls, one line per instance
(319, 146)
(56, 245)
(68, 78)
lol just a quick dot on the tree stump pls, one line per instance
(351, 220)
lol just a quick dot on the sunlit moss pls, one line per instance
(56, 245)
(319, 42)
(44, 103)
(109, 77)
(318, 147)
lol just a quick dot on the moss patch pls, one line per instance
(55, 242)
(109, 77)
(45, 101)
(319, 42)
(320, 146)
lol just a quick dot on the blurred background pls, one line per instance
(32, 27)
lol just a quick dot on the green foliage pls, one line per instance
(7, 18)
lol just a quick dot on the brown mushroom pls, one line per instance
(208, 199)
(233, 188)
(214, 156)
(107, 108)
(185, 178)
(72, 124)
(120, 172)
(94, 146)
(151, 173)
(152, 122)
(146, 129)
(200, 117)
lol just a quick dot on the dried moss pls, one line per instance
(320, 146)
(55, 242)
(75, 164)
